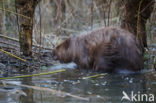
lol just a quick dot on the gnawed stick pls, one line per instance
(31, 75)
(94, 76)
(50, 90)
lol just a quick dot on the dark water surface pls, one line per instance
(104, 89)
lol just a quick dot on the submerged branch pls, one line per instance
(59, 93)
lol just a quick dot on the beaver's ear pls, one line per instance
(67, 43)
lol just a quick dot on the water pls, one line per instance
(102, 89)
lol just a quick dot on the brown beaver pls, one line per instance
(106, 49)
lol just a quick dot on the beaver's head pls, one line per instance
(62, 52)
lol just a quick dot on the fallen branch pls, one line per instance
(6, 37)
(58, 93)
(24, 76)
(16, 40)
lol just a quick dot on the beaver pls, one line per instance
(104, 49)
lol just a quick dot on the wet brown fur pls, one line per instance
(103, 49)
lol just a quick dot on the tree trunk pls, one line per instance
(2, 19)
(26, 10)
(135, 15)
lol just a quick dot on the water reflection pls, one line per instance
(105, 89)
(28, 91)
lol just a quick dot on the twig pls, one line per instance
(104, 15)
(15, 13)
(149, 4)
(40, 28)
(91, 14)
(3, 18)
(17, 18)
(138, 19)
(109, 10)
(12, 55)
